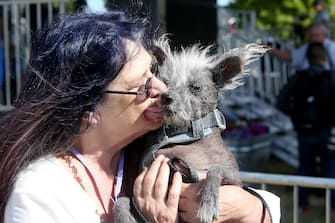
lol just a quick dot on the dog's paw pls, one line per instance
(209, 210)
(208, 213)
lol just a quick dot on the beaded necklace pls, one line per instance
(118, 183)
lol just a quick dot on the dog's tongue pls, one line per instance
(153, 113)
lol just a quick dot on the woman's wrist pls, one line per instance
(257, 211)
(242, 205)
(239, 205)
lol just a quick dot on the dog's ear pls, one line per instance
(228, 68)
(232, 69)
(159, 54)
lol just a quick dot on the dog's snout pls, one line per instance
(166, 99)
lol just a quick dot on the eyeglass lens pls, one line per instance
(144, 90)
(142, 93)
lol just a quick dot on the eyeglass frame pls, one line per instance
(146, 90)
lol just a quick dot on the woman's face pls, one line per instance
(128, 116)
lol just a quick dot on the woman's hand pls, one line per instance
(235, 203)
(154, 197)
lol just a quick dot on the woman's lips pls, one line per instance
(153, 113)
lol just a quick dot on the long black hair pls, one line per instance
(71, 61)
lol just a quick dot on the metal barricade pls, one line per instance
(19, 19)
(265, 79)
(294, 181)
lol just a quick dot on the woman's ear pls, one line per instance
(90, 119)
(94, 118)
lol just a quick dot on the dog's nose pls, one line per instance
(166, 99)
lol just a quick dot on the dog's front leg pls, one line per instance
(209, 205)
(122, 211)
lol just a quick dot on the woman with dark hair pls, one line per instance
(67, 111)
(89, 92)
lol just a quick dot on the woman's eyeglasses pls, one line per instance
(143, 91)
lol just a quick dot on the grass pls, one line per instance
(316, 214)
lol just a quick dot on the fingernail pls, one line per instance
(160, 157)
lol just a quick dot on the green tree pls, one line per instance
(278, 16)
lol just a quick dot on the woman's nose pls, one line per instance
(157, 87)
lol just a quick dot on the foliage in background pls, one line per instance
(280, 17)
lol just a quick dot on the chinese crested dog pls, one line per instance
(191, 133)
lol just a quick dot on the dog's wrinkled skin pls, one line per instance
(194, 80)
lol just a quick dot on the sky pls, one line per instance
(99, 5)
(222, 2)
(95, 6)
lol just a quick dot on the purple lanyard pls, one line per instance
(119, 177)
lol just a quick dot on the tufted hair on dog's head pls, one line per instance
(195, 78)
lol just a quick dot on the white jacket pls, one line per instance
(46, 192)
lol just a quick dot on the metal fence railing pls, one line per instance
(18, 20)
(264, 180)
(257, 96)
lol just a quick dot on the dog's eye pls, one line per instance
(195, 88)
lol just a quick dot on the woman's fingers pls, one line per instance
(156, 199)
(174, 190)
(162, 181)
(137, 190)
(150, 176)
(190, 200)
